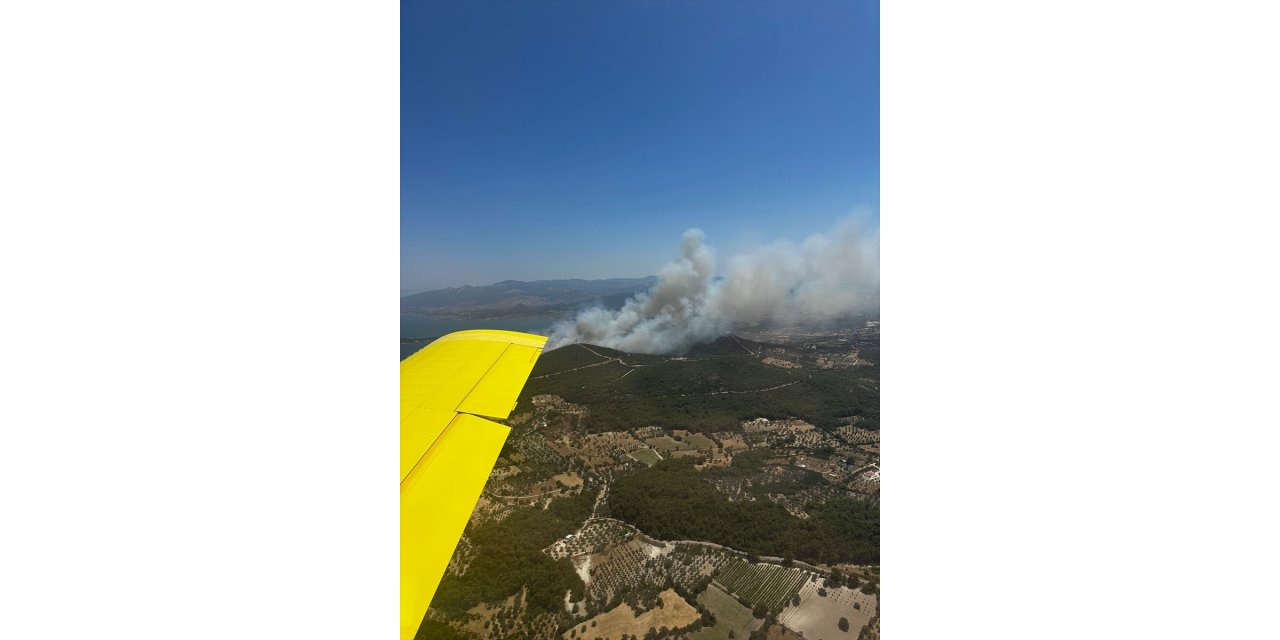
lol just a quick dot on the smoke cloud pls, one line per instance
(825, 278)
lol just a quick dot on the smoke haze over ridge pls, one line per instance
(824, 278)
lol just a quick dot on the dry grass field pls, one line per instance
(731, 441)
(482, 613)
(623, 620)
(571, 479)
(818, 617)
(778, 362)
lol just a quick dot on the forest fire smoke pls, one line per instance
(825, 278)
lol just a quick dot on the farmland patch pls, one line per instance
(667, 444)
(700, 441)
(571, 479)
(761, 584)
(648, 456)
(623, 620)
(730, 616)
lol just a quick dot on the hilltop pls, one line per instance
(713, 387)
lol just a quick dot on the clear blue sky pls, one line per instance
(579, 139)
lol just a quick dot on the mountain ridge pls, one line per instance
(523, 298)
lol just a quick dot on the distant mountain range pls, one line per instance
(511, 298)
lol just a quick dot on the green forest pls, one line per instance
(671, 501)
(507, 555)
(689, 393)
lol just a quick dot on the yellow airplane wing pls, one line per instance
(447, 451)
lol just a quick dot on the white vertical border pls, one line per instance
(1080, 330)
(199, 247)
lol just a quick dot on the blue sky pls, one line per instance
(580, 139)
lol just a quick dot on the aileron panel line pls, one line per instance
(495, 395)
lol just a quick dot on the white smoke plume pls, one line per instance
(827, 277)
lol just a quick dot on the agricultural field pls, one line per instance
(793, 438)
(620, 569)
(648, 456)
(616, 562)
(623, 620)
(605, 449)
(593, 537)
(730, 616)
(765, 584)
(571, 479)
(700, 441)
(644, 433)
(856, 435)
(777, 362)
(689, 564)
(818, 617)
(689, 453)
(731, 440)
(667, 444)
(538, 462)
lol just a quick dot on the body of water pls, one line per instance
(431, 328)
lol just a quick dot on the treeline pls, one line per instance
(675, 394)
(745, 464)
(437, 630)
(672, 501)
(793, 482)
(507, 555)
